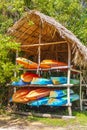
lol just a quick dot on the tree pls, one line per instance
(7, 64)
(10, 11)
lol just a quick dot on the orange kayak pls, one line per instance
(38, 93)
(27, 77)
(53, 63)
(20, 95)
(30, 64)
(26, 63)
(26, 95)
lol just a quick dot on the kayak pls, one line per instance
(53, 63)
(27, 77)
(38, 93)
(59, 80)
(63, 80)
(59, 93)
(30, 64)
(39, 102)
(25, 95)
(41, 81)
(26, 63)
(19, 83)
(20, 95)
(53, 101)
(62, 101)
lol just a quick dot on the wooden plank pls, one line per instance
(44, 44)
(45, 86)
(43, 115)
(49, 69)
(78, 71)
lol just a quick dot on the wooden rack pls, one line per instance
(69, 69)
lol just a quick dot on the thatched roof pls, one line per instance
(35, 26)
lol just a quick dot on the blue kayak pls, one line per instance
(19, 83)
(53, 101)
(39, 102)
(59, 80)
(59, 93)
(41, 81)
(63, 80)
(62, 101)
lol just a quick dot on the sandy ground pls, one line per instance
(12, 123)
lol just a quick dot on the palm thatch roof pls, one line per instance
(36, 29)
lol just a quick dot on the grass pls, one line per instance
(80, 119)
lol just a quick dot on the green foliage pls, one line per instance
(7, 46)
(10, 11)
(80, 121)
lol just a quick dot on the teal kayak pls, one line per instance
(62, 101)
(63, 80)
(39, 102)
(41, 81)
(59, 93)
(53, 101)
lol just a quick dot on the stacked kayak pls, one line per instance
(55, 98)
(29, 64)
(39, 102)
(53, 63)
(19, 83)
(36, 96)
(34, 79)
(62, 101)
(59, 93)
(26, 63)
(41, 81)
(20, 95)
(63, 80)
(44, 64)
(25, 95)
(59, 80)
(26, 79)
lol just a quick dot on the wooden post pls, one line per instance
(81, 92)
(68, 81)
(15, 74)
(39, 48)
(39, 56)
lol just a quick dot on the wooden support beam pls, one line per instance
(43, 44)
(43, 115)
(68, 80)
(74, 70)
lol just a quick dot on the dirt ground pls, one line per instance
(12, 123)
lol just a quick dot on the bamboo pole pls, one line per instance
(15, 73)
(68, 80)
(74, 70)
(39, 47)
(81, 108)
(43, 44)
(43, 115)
